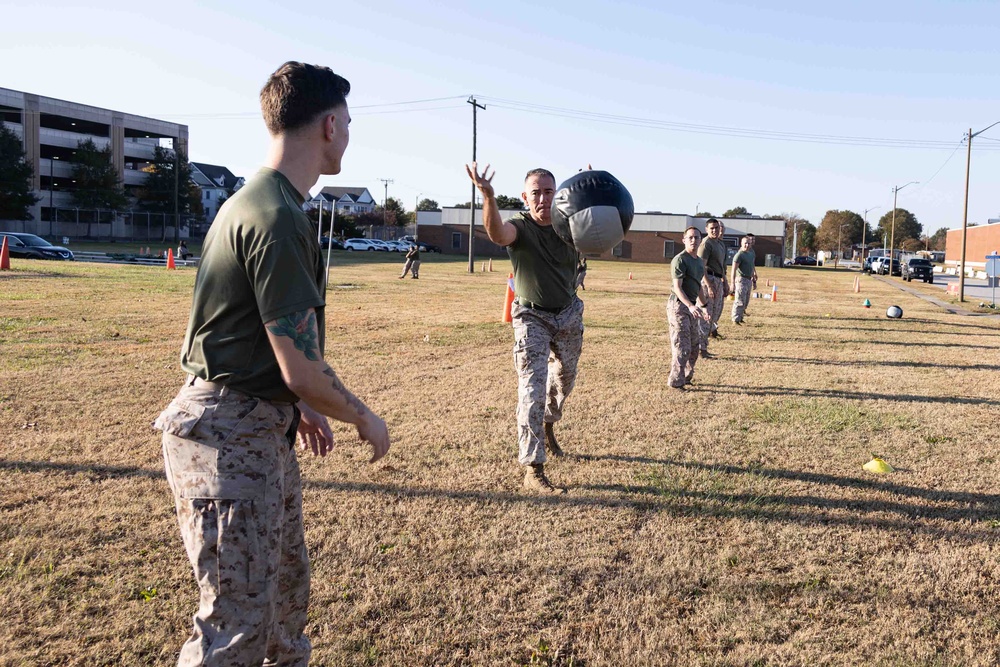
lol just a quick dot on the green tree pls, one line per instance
(794, 221)
(506, 203)
(844, 227)
(736, 212)
(907, 227)
(807, 238)
(16, 174)
(394, 214)
(428, 205)
(938, 239)
(97, 182)
(158, 192)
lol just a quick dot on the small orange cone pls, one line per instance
(491, 265)
(4, 256)
(509, 299)
(170, 260)
(630, 275)
(774, 293)
(857, 284)
(767, 283)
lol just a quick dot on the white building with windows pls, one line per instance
(345, 200)
(217, 185)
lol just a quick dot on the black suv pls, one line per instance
(918, 267)
(30, 246)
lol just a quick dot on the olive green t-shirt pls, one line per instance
(544, 265)
(690, 270)
(713, 253)
(260, 261)
(744, 261)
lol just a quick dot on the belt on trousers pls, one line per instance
(535, 306)
(193, 381)
(715, 275)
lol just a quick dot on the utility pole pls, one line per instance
(472, 204)
(385, 200)
(965, 212)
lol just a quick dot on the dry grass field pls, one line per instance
(729, 525)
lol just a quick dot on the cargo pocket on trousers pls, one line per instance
(222, 531)
(179, 418)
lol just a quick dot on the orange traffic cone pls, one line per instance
(774, 293)
(491, 265)
(630, 275)
(170, 260)
(507, 302)
(857, 284)
(4, 256)
(767, 283)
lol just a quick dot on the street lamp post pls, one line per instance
(795, 239)
(965, 210)
(892, 237)
(416, 224)
(864, 233)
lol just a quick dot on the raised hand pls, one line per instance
(483, 182)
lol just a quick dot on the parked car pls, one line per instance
(359, 244)
(917, 267)
(883, 266)
(804, 260)
(427, 247)
(30, 246)
(399, 246)
(379, 244)
(325, 243)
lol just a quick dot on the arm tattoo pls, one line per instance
(352, 400)
(301, 328)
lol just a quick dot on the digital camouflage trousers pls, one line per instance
(684, 339)
(546, 353)
(231, 465)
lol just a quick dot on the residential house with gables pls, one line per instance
(217, 184)
(346, 200)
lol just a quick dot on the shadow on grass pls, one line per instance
(847, 395)
(867, 363)
(806, 510)
(958, 325)
(864, 341)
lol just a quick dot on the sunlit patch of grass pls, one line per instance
(830, 416)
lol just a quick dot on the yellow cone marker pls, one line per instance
(878, 466)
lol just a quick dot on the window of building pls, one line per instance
(668, 250)
(456, 240)
(208, 195)
(617, 250)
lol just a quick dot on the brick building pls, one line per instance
(653, 237)
(980, 240)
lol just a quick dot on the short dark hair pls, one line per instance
(749, 235)
(690, 228)
(539, 172)
(297, 93)
(711, 220)
(745, 238)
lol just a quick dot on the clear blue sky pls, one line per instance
(908, 71)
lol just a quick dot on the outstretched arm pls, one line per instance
(500, 232)
(295, 341)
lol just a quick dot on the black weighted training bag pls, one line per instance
(592, 211)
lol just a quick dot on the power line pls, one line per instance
(652, 123)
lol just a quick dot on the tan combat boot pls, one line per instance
(535, 480)
(551, 446)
